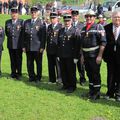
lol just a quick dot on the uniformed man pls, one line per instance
(34, 32)
(52, 36)
(93, 43)
(14, 33)
(66, 49)
(78, 26)
(2, 36)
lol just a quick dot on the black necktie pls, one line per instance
(74, 25)
(53, 26)
(33, 21)
(66, 29)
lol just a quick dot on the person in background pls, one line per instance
(101, 20)
(99, 9)
(26, 5)
(112, 57)
(1, 7)
(78, 26)
(14, 3)
(20, 6)
(46, 22)
(93, 42)
(5, 7)
(34, 33)
(2, 36)
(14, 33)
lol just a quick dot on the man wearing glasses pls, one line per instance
(93, 43)
(34, 33)
(112, 57)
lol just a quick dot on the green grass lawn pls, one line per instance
(21, 100)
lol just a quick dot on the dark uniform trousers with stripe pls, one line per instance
(33, 36)
(66, 52)
(92, 39)
(53, 63)
(14, 33)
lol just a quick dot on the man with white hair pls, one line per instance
(112, 56)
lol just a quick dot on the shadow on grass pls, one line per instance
(44, 85)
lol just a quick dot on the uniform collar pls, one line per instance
(68, 27)
(54, 25)
(34, 20)
(14, 21)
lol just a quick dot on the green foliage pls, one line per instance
(21, 100)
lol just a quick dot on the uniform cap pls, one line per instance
(75, 12)
(67, 17)
(53, 15)
(14, 10)
(34, 8)
(90, 12)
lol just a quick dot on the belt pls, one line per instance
(90, 49)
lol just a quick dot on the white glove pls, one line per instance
(75, 61)
(58, 58)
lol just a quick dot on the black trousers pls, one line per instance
(0, 60)
(93, 73)
(113, 78)
(53, 68)
(81, 70)
(16, 61)
(31, 57)
(68, 74)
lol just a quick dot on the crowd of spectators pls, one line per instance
(5, 6)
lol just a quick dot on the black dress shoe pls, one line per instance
(82, 81)
(63, 88)
(31, 80)
(37, 81)
(88, 95)
(95, 97)
(108, 97)
(70, 90)
(13, 75)
(117, 99)
(18, 77)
